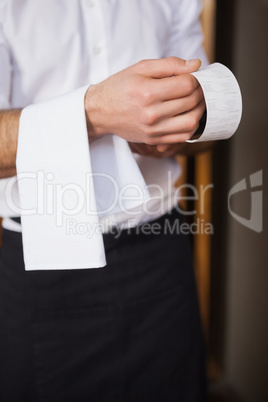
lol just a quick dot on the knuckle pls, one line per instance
(147, 132)
(147, 96)
(189, 84)
(149, 135)
(150, 140)
(149, 116)
(154, 141)
(193, 124)
(172, 60)
(193, 101)
(141, 64)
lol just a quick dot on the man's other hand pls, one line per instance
(155, 151)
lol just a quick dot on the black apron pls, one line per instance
(127, 332)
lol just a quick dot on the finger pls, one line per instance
(171, 108)
(179, 138)
(170, 148)
(167, 67)
(184, 123)
(163, 148)
(145, 149)
(174, 87)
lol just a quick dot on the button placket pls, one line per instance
(96, 38)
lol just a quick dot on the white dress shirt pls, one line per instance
(50, 52)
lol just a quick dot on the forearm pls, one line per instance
(9, 128)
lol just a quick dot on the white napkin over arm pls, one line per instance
(56, 183)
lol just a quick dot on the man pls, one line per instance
(129, 331)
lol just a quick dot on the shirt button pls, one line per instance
(90, 3)
(96, 50)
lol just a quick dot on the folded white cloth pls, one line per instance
(56, 183)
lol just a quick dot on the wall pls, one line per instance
(246, 338)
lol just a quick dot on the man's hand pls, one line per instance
(157, 151)
(164, 151)
(152, 102)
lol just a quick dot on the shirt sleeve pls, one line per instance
(186, 37)
(5, 64)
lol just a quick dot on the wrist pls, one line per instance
(92, 112)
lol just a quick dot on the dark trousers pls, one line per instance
(126, 332)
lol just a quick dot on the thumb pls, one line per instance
(180, 66)
(167, 67)
(191, 65)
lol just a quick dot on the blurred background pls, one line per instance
(232, 264)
